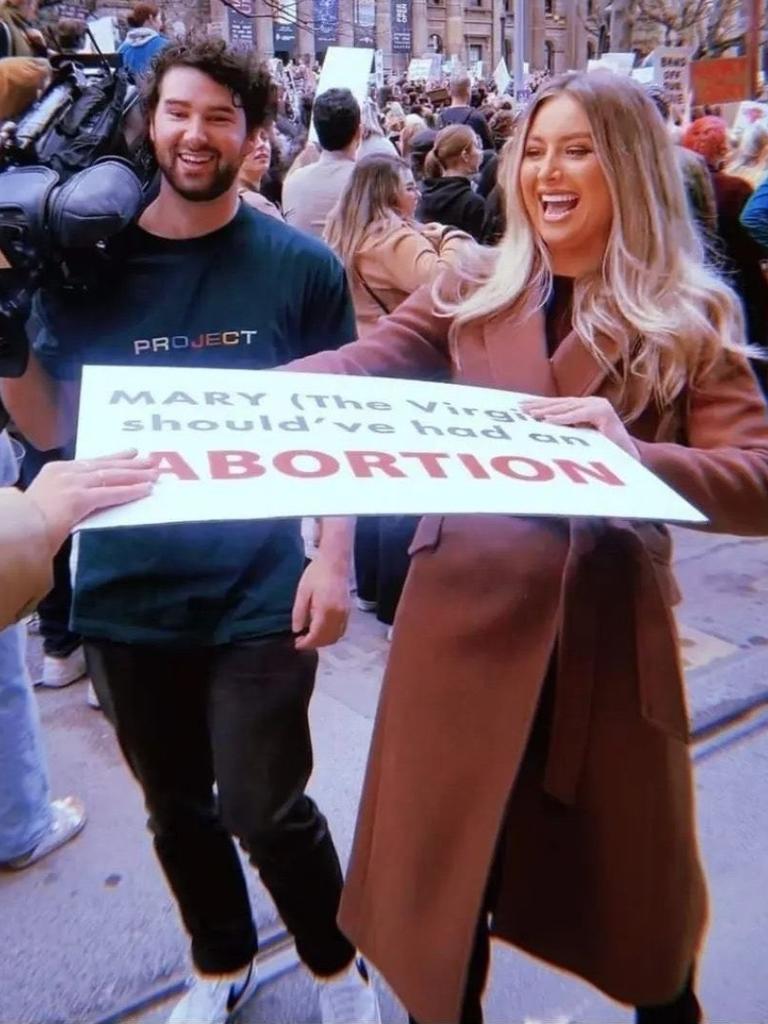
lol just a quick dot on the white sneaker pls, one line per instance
(68, 819)
(349, 998)
(366, 606)
(92, 698)
(58, 672)
(215, 1000)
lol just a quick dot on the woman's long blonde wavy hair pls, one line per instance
(367, 208)
(653, 296)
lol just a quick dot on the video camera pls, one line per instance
(74, 170)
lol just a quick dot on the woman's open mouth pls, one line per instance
(557, 205)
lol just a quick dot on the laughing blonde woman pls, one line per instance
(530, 775)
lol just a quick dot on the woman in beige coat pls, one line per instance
(386, 253)
(529, 773)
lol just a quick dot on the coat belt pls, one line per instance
(659, 675)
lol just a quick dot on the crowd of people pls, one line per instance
(583, 249)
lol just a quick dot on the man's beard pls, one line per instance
(223, 179)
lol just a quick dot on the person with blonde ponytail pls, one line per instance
(447, 195)
(530, 774)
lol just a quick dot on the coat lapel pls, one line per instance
(513, 356)
(576, 370)
(517, 355)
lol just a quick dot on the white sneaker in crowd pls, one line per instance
(69, 817)
(92, 698)
(58, 672)
(366, 606)
(211, 1000)
(349, 998)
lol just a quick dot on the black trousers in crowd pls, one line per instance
(236, 716)
(382, 560)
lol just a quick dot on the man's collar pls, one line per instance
(328, 156)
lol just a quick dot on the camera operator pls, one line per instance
(201, 637)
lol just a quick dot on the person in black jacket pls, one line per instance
(447, 195)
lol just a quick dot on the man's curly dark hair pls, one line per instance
(249, 82)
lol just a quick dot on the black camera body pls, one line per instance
(74, 170)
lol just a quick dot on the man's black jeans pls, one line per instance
(235, 715)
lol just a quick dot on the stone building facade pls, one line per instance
(474, 30)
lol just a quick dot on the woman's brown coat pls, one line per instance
(600, 870)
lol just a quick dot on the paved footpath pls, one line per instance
(90, 934)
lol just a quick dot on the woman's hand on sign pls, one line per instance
(67, 492)
(321, 608)
(583, 412)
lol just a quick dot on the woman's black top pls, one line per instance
(452, 201)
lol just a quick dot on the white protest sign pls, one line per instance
(344, 67)
(644, 76)
(103, 31)
(750, 112)
(419, 67)
(378, 64)
(672, 70)
(253, 444)
(501, 76)
(621, 63)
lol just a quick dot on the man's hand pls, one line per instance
(322, 598)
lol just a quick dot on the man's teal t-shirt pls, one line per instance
(272, 294)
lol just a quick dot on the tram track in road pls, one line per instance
(277, 954)
(737, 726)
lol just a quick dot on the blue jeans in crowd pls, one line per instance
(25, 813)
